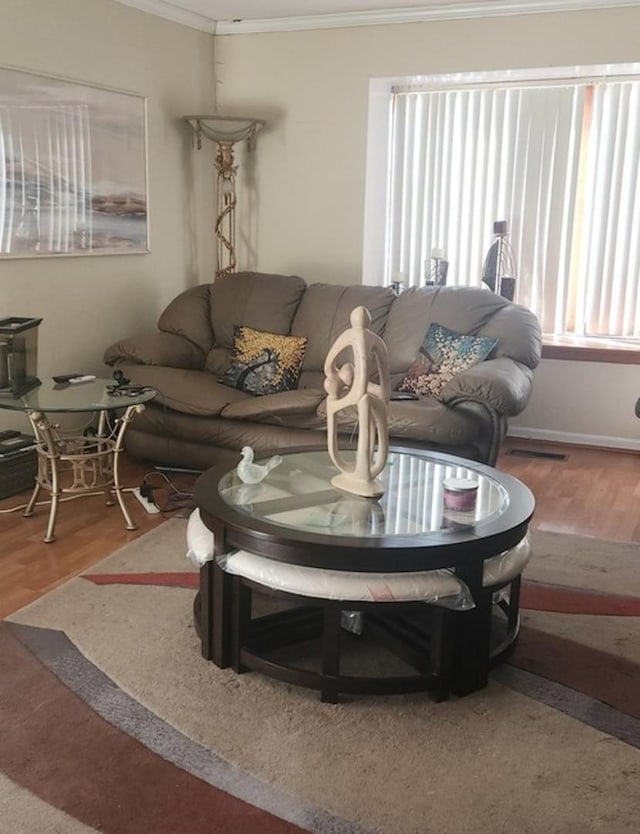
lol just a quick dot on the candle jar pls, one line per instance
(459, 503)
(460, 494)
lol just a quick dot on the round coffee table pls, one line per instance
(296, 516)
(89, 463)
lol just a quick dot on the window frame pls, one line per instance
(377, 185)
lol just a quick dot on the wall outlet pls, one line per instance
(149, 506)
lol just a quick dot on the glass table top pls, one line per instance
(51, 396)
(298, 495)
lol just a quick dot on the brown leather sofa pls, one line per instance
(196, 421)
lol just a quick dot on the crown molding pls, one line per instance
(448, 11)
(175, 14)
(456, 10)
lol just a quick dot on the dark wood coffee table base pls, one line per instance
(416, 632)
(422, 636)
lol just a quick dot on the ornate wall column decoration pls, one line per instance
(225, 131)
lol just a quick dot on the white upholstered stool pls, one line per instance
(436, 586)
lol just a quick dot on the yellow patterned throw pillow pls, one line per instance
(264, 363)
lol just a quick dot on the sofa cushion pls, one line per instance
(324, 313)
(264, 363)
(156, 349)
(196, 430)
(442, 355)
(426, 420)
(466, 309)
(188, 315)
(429, 421)
(263, 302)
(407, 322)
(186, 391)
(282, 404)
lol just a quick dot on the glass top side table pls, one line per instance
(75, 465)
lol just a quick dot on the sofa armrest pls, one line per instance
(166, 349)
(501, 384)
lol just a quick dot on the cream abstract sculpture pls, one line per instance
(349, 386)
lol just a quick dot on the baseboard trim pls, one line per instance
(575, 439)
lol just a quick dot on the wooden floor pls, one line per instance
(86, 531)
(592, 493)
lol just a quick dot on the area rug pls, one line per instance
(112, 721)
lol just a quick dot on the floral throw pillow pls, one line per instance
(264, 363)
(443, 354)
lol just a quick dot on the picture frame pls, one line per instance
(73, 168)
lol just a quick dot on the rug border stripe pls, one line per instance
(594, 713)
(62, 657)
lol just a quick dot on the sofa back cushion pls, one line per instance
(474, 311)
(407, 322)
(324, 313)
(250, 299)
(480, 312)
(188, 315)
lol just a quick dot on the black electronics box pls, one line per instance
(18, 464)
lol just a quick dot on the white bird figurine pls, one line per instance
(252, 473)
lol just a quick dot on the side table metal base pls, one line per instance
(78, 465)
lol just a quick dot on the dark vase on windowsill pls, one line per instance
(499, 268)
(507, 288)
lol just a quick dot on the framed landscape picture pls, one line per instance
(73, 168)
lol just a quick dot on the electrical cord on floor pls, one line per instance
(165, 496)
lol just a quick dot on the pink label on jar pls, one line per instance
(460, 494)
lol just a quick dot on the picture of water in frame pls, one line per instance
(73, 168)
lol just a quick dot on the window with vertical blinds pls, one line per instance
(557, 159)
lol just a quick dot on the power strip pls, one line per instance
(149, 506)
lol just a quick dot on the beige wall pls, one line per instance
(305, 209)
(88, 302)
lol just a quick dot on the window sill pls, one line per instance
(591, 350)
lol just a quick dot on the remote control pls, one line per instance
(65, 377)
(86, 378)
